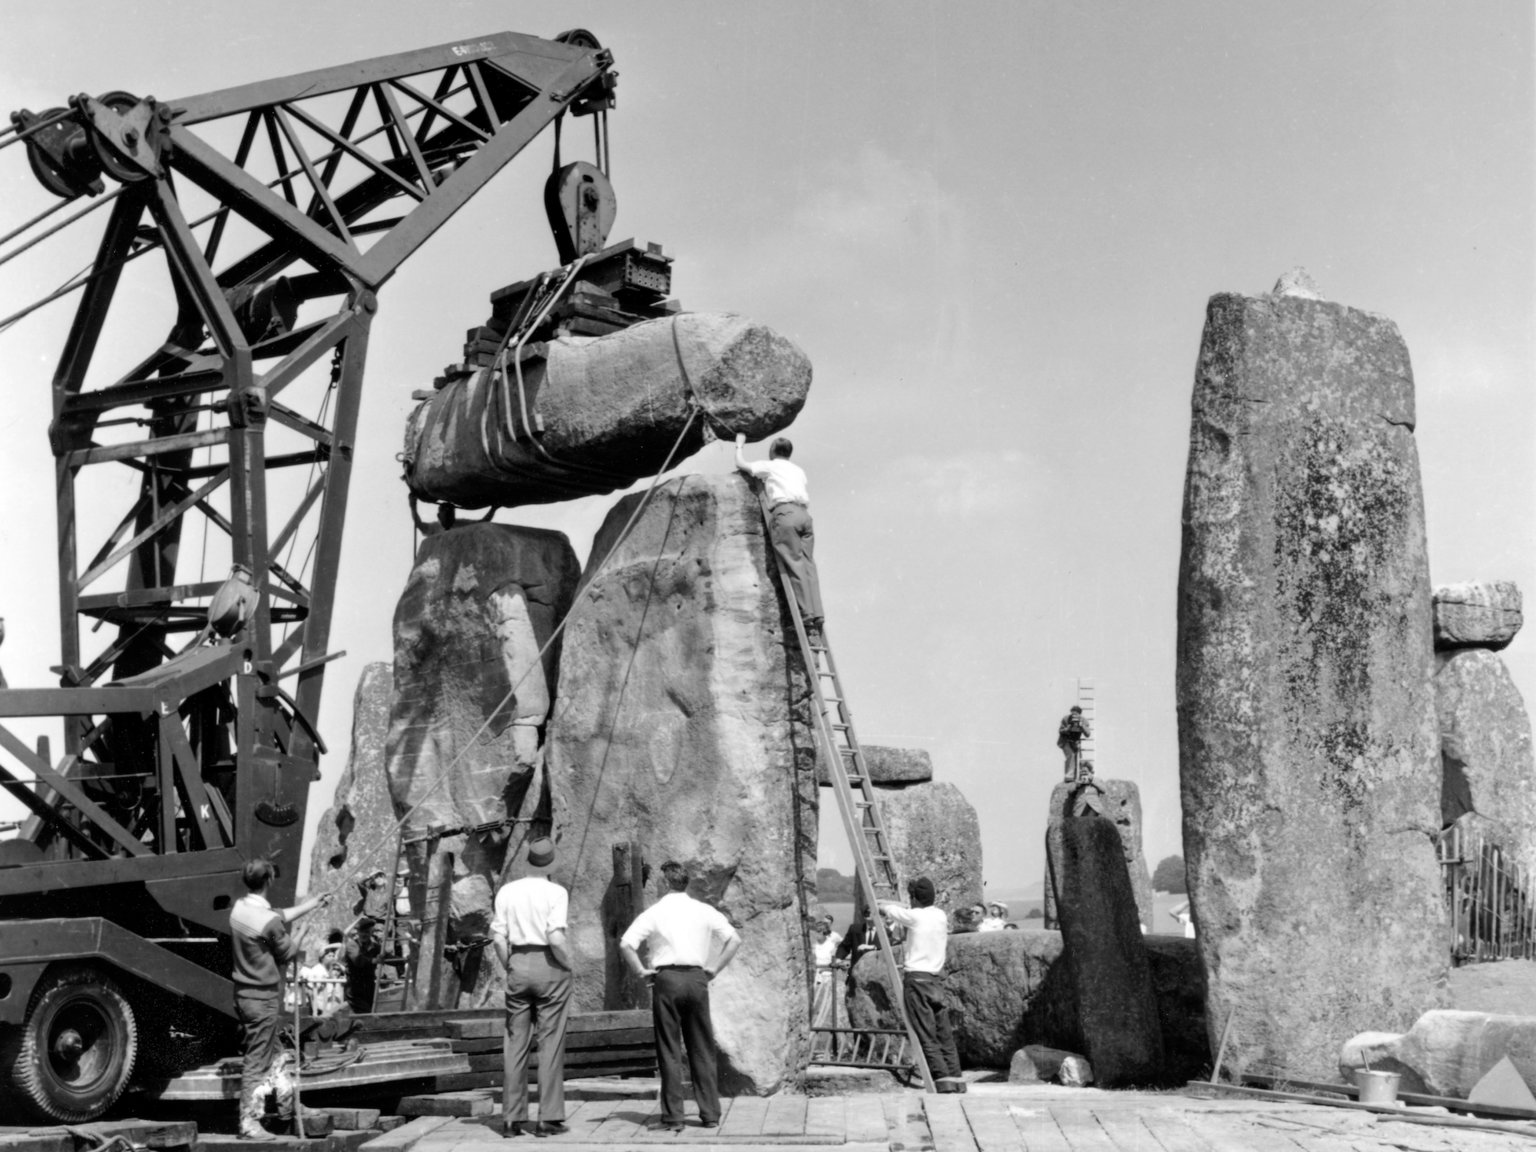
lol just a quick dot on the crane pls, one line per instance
(190, 740)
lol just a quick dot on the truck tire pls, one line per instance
(77, 1047)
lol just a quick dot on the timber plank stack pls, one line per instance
(596, 1044)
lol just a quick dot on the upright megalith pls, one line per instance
(464, 754)
(1309, 757)
(933, 832)
(1120, 804)
(681, 724)
(1107, 963)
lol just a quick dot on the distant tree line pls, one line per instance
(1168, 876)
(832, 887)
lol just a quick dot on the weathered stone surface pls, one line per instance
(681, 723)
(612, 409)
(1446, 1053)
(888, 767)
(1106, 962)
(1122, 805)
(934, 833)
(1489, 782)
(1009, 989)
(471, 698)
(1308, 751)
(1075, 1072)
(357, 832)
(1478, 615)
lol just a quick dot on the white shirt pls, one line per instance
(827, 949)
(928, 933)
(680, 930)
(528, 910)
(784, 480)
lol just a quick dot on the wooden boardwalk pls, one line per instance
(989, 1118)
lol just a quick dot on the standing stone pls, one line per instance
(1122, 806)
(357, 832)
(471, 697)
(681, 722)
(1489, 785)
(1106, 962)
(1482, 615)
(934, 833)
(1308, 751)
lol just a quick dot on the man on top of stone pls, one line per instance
(1069, 738)
(262, 949)
(927, 1010)
(528, 933)
(789, 523)
(680, 934)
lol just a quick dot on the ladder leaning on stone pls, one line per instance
(875, 867)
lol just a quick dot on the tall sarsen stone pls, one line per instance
(1309, 757)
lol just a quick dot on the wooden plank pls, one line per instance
(785, 1116)
(1038, 1129)
(865, 1120)
(630, 1120)
(1082, 1130)
(946, 1121)
(991, 1126)
(594, 1113)
(1125, 1129)
(825, 1116)
(1234, 1130)
(404, 1136)
(446, 1104)
(1175, 1131)
(746, 1117)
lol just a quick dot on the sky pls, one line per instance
(994, 229)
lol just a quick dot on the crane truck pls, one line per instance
(280, 209)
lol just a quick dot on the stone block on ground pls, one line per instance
(1036, 1064)
(610, 409)
(1446, 1052)
(1075, 1072)
(472, 694)
(933, 832)
(1489, 781)
(681, 722)
(1122, 805)
(1309, 756)
(888, 767)
(447, 1104)
(1106, 959)
(1482, 614)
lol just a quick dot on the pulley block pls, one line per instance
(581, 206)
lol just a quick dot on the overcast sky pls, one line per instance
(994, 228)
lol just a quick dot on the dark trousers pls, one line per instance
(258, 1011)
(795, 541)
(929, 1014)
(538, 994)
(680, 1011)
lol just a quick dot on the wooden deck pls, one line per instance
(989, 1118)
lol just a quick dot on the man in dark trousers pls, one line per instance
(789, 524)
(680, 934)
(927, 935)
(262, 946)
(528, 932)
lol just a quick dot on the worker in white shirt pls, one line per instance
(789, 524)
(528, 933)
(680, 934)
(927, 1010)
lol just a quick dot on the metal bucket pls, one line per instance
(1376, 1087)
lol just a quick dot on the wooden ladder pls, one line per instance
(875, 867)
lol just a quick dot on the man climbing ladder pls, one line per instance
(789, 523)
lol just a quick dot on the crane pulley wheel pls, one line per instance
(60, 153)
(107, 154)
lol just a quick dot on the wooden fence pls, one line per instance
(1491, 898)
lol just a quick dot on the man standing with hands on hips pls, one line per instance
(681, 932)
(528, 933)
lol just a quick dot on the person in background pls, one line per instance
(996, 918)
(361, 957)
(922, 995)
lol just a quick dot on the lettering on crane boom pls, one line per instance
(470, 49)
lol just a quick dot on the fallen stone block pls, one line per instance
(1485, 614)
(1446, 1053)
(1309, 754)
(1075, 1072)
(1037, 1064)
(597, 414)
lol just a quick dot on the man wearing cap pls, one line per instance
(927, 934)
(680, 934)
(528, 933)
